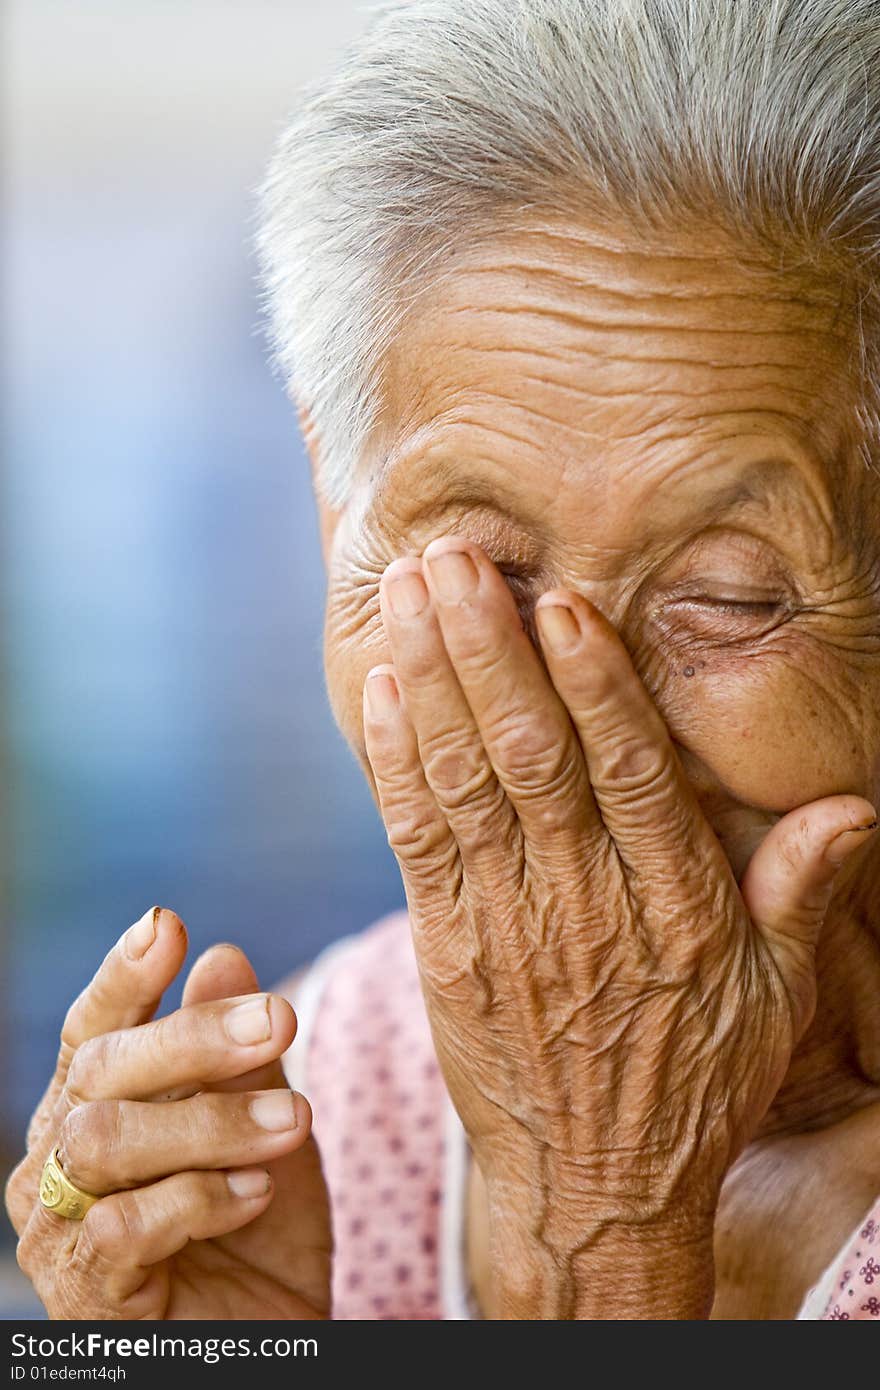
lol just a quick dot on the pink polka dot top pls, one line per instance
(395, 1155)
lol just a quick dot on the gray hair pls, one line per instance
(764, 114)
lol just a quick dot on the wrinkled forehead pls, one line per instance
(551, 358)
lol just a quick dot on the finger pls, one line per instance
(644, 799)
(456, 765)
(126, 990)
(106, 1146)
(219, 973)
(790, 878)
(197, 1046)
(522, 722)
(122, 1236)
(130, 982)
(417, 829)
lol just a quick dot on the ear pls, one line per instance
(328, 517)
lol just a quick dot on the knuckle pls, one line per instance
(421, 667)
(88, 1136)
(525, 742)
(418, 838)
(635, 767)
(399, 778)
(113, 1227)
(480, 662)
(458, 775)
(476, 800)
(543, 766)
(86, 1068)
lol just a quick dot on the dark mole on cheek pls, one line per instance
(688, 670)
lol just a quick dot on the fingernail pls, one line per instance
(407, 595)
(275, 1111)
(843, 844)
(250, 1022)
(382, 695)
(454, 574)
(249, 1182)
(558, 626)
(138, 939)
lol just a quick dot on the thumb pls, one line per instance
(789, 880)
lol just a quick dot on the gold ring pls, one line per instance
(59, 1194)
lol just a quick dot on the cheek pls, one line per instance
(772, 736)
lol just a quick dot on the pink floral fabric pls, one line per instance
(855, 1291)
(378, 1097)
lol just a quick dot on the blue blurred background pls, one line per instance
(167, 736)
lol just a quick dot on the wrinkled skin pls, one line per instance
(657, 463)
(617, 856)
(663, 437)
(208, 1208)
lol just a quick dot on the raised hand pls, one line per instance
(212, 1202)
(612, 1012)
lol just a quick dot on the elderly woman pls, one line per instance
(579, 299)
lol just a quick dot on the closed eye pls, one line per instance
(717, 617)
(739, 607)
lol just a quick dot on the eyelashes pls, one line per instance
(723, 619)
(740, 608)
(712, 614)
(515, 574)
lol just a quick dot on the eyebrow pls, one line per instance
(758, 480)
(449, 487)
(461, 490)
